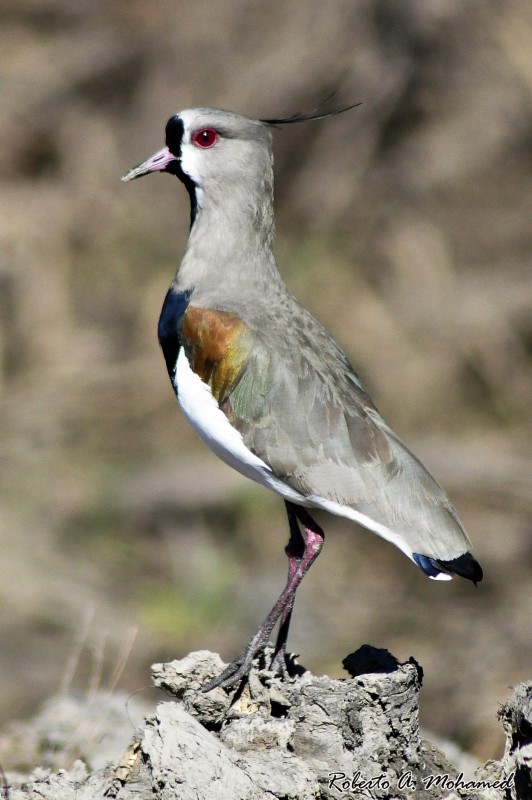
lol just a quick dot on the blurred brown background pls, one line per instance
(404, 225)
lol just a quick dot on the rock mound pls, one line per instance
(293, 738)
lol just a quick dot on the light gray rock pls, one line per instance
(187, 761)
(516, 716)
(303, 738)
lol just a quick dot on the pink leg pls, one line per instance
(302, 551)
(295, 550)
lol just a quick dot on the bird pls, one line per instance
(266, 387)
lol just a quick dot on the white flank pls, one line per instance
(376, 527)
(210, 423)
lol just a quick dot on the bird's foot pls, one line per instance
(282, 664)
(238, 669)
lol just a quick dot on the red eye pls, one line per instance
(207, 137)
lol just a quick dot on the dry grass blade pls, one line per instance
(78, 646)
(90, 730)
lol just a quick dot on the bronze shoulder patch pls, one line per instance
(217, 344)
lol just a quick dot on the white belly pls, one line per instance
(210, 423)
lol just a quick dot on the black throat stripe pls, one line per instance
(175, 131)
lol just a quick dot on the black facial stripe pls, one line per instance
(175, 131)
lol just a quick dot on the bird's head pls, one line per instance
(204, 145)
(217, 154)
(207, 142)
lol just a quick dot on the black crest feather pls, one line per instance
(317, 113)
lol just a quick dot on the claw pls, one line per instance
(234, 672)
(239, 668)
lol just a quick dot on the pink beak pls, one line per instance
(158, 162)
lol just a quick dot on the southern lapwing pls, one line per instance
(263, 383)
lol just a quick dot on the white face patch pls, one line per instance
(191, 156)
(191, 163)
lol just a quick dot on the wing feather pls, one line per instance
(319, 431)
(294, 398)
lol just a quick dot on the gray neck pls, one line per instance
(229, 255)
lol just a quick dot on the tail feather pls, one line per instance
(466, 566)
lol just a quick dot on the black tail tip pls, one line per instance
(465, 566)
